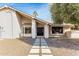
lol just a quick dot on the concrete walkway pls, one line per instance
(40, 48)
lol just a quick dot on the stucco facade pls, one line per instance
(9, 23)
(16, 24)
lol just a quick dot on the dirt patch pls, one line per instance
(15, 47)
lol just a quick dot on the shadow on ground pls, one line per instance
(58, 43)
(28, 40)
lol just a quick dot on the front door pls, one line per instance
(40, 31)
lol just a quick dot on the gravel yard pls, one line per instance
(63, 47)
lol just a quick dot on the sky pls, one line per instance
(42, 9)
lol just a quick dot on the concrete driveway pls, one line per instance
(40, 48)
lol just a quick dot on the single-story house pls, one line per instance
(15, 24)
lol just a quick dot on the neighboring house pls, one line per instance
(16, 24)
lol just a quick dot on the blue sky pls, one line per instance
(42, 9)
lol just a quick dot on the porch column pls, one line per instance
(33, 28)
(46, 31)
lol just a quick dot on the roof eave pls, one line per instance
(21, 12)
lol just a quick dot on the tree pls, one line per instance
(65, 13)
(35, 14)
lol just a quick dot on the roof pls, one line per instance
(21, 12)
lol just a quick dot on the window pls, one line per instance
(57, 30)
(27, 30)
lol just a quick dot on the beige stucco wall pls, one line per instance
(20, 22)
(12, 24)
(26, 23)
(10, 27)
(50, 31)
(75, 34)
(46, 31)
(5, 23)
(25, 20)
(67, 31)
(40, 24)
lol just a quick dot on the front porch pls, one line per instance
(35, 29)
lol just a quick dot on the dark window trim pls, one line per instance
(58, 31)
(27, 30)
